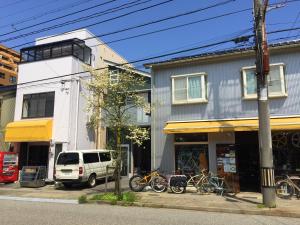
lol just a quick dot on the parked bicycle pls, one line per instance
(288, 187)
(178, 183)
(217, 185)
(157, 181)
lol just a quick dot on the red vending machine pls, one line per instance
(9, 171)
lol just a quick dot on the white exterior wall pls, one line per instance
(70, 115)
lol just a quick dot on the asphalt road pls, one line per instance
(37, 213)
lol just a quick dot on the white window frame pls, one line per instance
(113, 77)
(194, 100)
(283, 93)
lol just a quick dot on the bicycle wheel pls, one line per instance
(137, 183)
(206, 188)
(178, 188)
(284, 189)
(159, 183)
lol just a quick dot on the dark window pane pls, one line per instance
(90, 158)
(39, 54)
(30, 56)
(56, 51)
(46, 53)
(78, 51)
(104, 157)
(38, 105)
(87, 55)
(68, 159)
(67, 49)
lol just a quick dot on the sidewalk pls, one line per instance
(243, 203)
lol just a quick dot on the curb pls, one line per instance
(262, 212)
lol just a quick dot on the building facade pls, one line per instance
(50, 113)
(9, 60)
(7, 109)
(205, 113)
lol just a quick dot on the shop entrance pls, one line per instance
(248, 160)
(34, 154)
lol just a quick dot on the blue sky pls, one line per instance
(15, 13)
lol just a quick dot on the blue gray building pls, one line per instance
(204, 113)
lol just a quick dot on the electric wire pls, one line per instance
(159, 56)
(90, 25)
(60, 17)
(136, 26)
(40, 15)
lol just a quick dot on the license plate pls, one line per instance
(66, 171)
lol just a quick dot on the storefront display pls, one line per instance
(227, 164)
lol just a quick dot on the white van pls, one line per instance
(83, 166)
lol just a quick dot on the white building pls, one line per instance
(50, 113)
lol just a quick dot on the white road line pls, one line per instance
(49, 200)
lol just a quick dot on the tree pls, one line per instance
(110, 100)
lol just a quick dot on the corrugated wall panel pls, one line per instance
(224, 99)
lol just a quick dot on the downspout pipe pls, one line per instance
(76, 113)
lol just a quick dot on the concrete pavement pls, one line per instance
(243, 203)
(24, 213)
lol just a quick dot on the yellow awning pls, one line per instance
(287, 123)
(29, 131)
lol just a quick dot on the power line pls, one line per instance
(10, 4)
(137, 26)
(60, 17)
(165, 29)
(90, 25)
(38, 16)
(159, 56)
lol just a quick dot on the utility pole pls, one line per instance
(264, 132)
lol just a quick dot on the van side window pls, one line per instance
(105, 156)
(90, 157)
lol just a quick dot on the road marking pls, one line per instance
(48, 200)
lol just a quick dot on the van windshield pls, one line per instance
(68, 159)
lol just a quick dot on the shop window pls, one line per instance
(191, 158)
(276, 82)
(90, 157)
(38, 105)
(189, 88)
(105, 157)
(286, 150)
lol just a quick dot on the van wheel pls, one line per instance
(92, 181)
(67, 185)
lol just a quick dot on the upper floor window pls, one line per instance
(74, 47)
(189, 88)
(38, 105)
(276, 81)
(2, 75)
(114, 76)
(12, 79)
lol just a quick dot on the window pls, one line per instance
(72, 47)
(90, 158)
(114, 76)
(2, 75)
(12, 79)
(68, 159)
(38, 105)
(105, 157)
(189, 88)
(276, 82)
